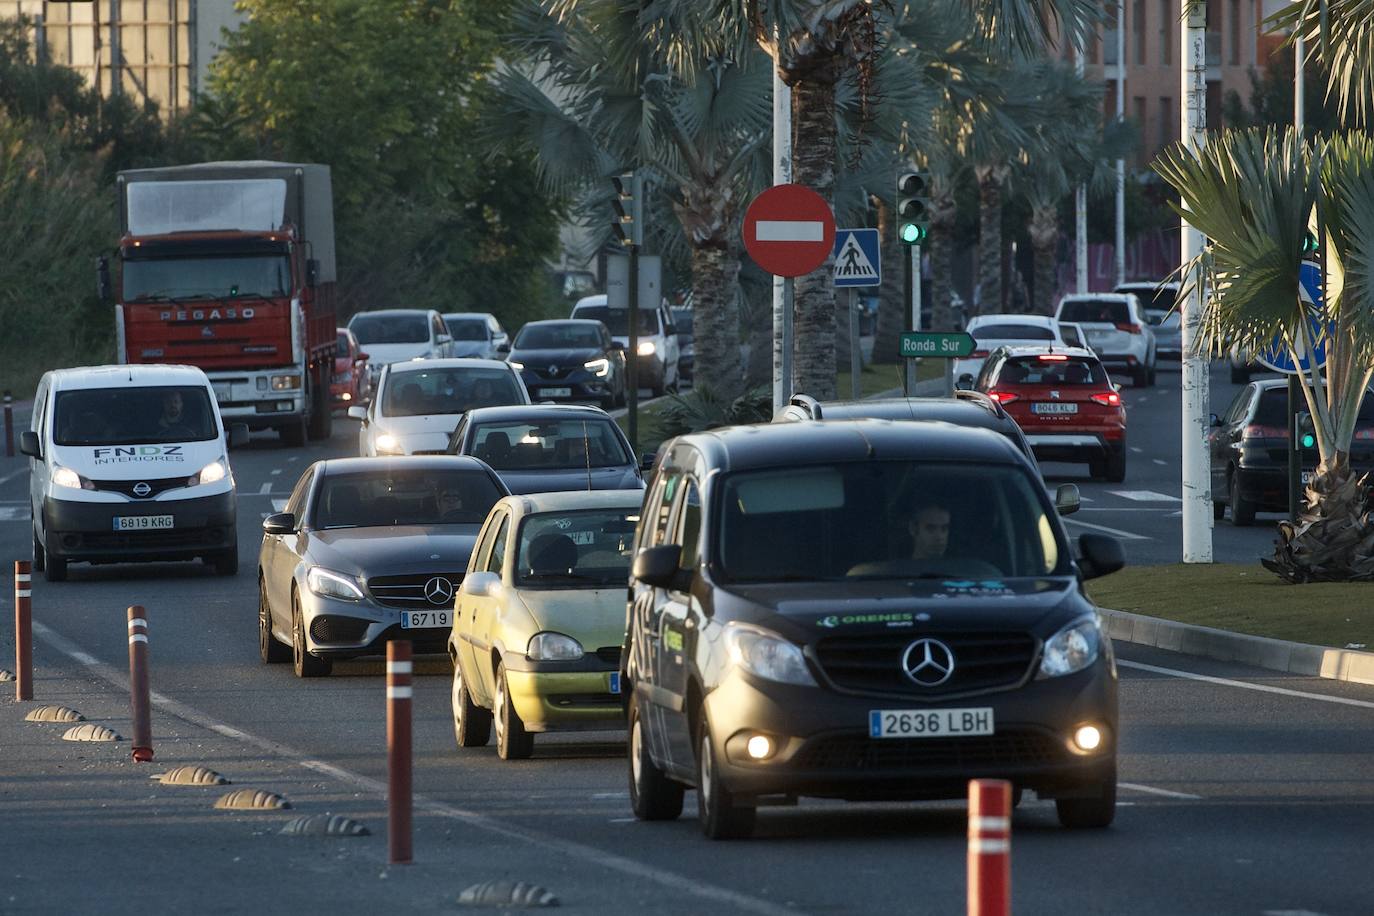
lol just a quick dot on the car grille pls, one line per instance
(609, 654)
(408, 592)
(990, 752)
(337, 629)
(873, 663)
(154, 486)
(552, 372)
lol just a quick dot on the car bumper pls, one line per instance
(565, 701)
(81, 531)
(581, 387)
(348, 629)
(824, 749)
(1074, 445)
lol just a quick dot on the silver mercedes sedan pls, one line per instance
(369, 550)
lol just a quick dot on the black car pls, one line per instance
(844, 610)
(540, 448)
(571, 359)
(1249, 451)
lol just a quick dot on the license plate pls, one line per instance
(555, 392)
(142, 522)
(929, 723)
(615, 682)
(416, 620)
(1055, 407)
(221, 392)
(583, 537)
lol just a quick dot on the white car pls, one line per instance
(992, 331)
(417, 404)
(1117, 330)
(658, 344)
(393, 335)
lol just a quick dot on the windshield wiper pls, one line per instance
(570, 576)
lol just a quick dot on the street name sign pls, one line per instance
(789, 230)
(857, 258)
(937, 344)
(1277, 356)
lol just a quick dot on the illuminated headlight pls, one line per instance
(387, 444)
(285, 382)
(553, 647)
(1087, 738)
(514, 365)
(211, 473)
(759, 747)
(646, 348)
(767, 655)
(66, 477)
(328, 584)
(1071, 649)
(598, 367)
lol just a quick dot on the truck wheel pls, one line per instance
(653, 796)
(721, 818)
(1090, 813)
(293, 433)
(321, 417)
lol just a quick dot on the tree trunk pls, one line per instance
(715, 321)
(943, 215)
(813, 166)
(1044, 233)
(1334, 538)
(892, 316)
(990, 288)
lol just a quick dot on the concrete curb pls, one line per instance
(1224, 645)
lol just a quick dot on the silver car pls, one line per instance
(369, 550)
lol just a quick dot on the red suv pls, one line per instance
(348, 385)
(1064, 402)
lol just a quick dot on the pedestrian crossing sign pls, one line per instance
(857, 261)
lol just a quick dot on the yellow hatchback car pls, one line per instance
(540, 618)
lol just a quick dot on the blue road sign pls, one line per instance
(1277, 356)
(857, 261)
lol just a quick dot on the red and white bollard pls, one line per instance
(398, 793)
(139, 707)
(23, 631)
(989, 847)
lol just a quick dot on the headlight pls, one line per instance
(1071, 649)
(600, 367)
(646, 348)
(328, 584)
(514, 365)
(285, 382)
(553, 647)
(66, 477)
(211, 473)
(767, 655)
(388, 444)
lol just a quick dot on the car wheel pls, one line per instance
(1153, 376)
(1096, 811)
(227, 562)
(512, 741)
(720, 817)
(653, 796)
(1242, 510)
(1114, 468)
(1218, 511)
(54, 568)
(305, 664)
(270, 650)
(471, 723)
(39, 554)
(1140, 377)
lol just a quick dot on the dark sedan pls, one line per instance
(368, 550)
(542, 448)
(570, 360)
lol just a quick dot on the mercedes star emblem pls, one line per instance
(142, 489)
(928, 662)
(439, 590)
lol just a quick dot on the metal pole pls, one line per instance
(116, 50)
(23, 631)
(1120, 163)
(139, 706)
(9, 425)
(1196, 470)
(989, 847)
(914, 271)
(398, 742)
(782, 174)
(855, 347)
(1295, 397)
(788, 304)
(1080, 207)
(632, 358)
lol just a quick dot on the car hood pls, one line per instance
(396, 550)
(549, 481)
(381, 354)
(424, 433)
(470, 348)
(594, 617)
(540, 358)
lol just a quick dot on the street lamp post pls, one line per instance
(1120, 163)
(1080, 203)
(782, 304)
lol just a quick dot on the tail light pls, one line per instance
(979, 354)
(1129, 328)
(1107, 399)
(1365, 433)
(1054, 357)
(1256, 431)
(1002, 397)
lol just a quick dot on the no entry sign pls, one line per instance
(789, 230)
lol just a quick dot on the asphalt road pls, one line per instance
(1243, 791)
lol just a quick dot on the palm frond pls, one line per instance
(1339, 33)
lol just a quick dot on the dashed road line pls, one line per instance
(265, 488)
(13, 474)
(1246, 685)
(1116, 532)
(1137, 449)
(276, 471)
(1161, 462)
(1145, 496)
(1151, 790)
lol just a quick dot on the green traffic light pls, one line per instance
(912, 233)
(1308, 440)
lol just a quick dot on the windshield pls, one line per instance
(466, 328)
(418, 393)
(1152, 297)
(134, 416)
(584, 549)
(268, 276)
(886, 519)
(556, 445)
(683, 319)
(380, 499)
(1057, 370)
(342, 344)
(558, 337)
(1012, 332)
(618, 320)
(1100, 311)
(390, 329)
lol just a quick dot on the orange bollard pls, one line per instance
(989, 847)
(23, 631)
(398, 791)
(139, 707)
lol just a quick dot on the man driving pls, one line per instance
(929, 528)
(173, 412)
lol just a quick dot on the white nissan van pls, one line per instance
(130, 463)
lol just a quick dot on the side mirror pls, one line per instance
(28, 444)
(965, 382)
(312, 273)
(103, 287)
(1099, 555)
(1215, 420)
(482, 585)
(646, 461)
(503, 347)
(357, 412)
(238, 435)
(281, 523)
(1066, 499)
(362, 358)
(617, 345)
(443, 338)
(658, 567)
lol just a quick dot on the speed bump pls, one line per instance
(507, 894)
(90, 732)
(190, 776)
(54, 714)
(325, 825)
(252, 800)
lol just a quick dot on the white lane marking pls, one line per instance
(610, 795)
(275, 471)
(1245, 685)
(294, 458)
(278, 505)
(789, 230)
(14, 513)
(680, 884)
(1123, 509)
(1292, 913)
(1151, 790)
(13, 474)
(1117, 532)
(1137, 449)
(1145, 496)
(1161, 462)
(265, 488)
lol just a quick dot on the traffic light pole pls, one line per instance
(632, 358)
(914, 287)
(1295, 399)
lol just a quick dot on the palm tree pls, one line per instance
(1339, 33)
(1251, 193)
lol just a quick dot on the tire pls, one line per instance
(1140, 377)
(1153, 377)
(270, 650)
(1114, 467)
(40, 556)
(720, 817)
(653, 796)
(1089, 813)
(54, 568)
(321, 416)
(471, 723)
(1218, 511)
(305, 664)
(293, 435)
(226, 563)
(512, 741)
(1242, 510)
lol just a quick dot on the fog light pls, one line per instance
(759, 747)
(1087, 738)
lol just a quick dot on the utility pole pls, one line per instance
(1197, 495)
(782, 286)
(1080, 200)
(1295, 398)
(1121, 163)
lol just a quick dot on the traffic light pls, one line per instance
(1309, 244)
(1307, 433)
(913, 207)
(628, 209)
